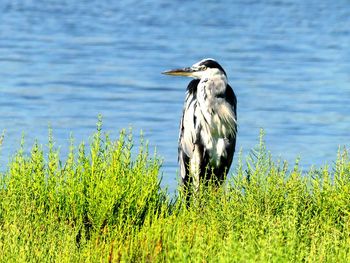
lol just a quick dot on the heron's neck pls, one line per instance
(212, 85)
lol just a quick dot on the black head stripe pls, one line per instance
(209, 63)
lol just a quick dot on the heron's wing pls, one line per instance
(187, 135)
(231, 98)
(230, 148)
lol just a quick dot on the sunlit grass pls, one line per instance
(104, 204)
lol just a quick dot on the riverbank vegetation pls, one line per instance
(104, 204)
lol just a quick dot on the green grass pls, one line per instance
(104, 204)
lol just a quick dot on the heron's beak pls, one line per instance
(188, 72)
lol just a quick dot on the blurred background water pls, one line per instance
(63, 62)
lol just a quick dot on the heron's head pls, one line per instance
(204, 68)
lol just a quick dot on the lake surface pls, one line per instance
(64, 62)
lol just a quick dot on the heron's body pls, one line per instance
(208, 126)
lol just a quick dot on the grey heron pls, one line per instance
(208, 127)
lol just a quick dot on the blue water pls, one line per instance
(64, 62)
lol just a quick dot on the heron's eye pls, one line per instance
(203, 68)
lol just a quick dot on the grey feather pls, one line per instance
(209, 122)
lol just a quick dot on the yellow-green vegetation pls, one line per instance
(104, 204)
